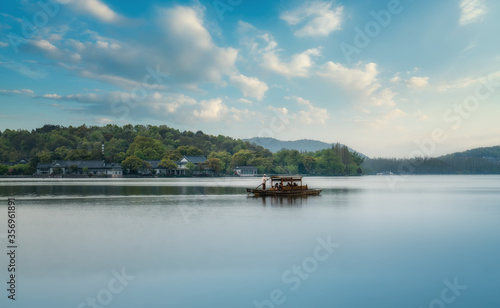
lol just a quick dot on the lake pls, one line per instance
(374, 241)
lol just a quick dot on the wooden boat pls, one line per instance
(284, 186)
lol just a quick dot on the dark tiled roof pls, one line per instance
(154, 163)
(195, 159)
(91, 164)
(245, 167)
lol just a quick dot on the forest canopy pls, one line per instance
(123, 144)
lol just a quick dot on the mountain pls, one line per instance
(274, 145)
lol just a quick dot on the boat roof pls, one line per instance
(287, 177)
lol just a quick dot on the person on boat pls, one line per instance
(264, 180)
(276, 186)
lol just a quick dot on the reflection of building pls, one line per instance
(245, 170)
(95, 167)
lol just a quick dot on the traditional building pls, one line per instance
(80, 167)
(198, 161)
(245, 171)
(156, 169)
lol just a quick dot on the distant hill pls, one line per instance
(274, 145)
(489, 153)
(475, 161)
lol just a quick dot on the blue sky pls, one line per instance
(388, 78)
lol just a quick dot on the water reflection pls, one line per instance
(114, 190)
(284, 201)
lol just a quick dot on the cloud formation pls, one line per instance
(471, 11)
(316, 18)
(250, 86)
(417, 82)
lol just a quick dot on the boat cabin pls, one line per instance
(284, 186)
(287, 183)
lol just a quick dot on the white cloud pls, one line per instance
(467, 82)
(101, 120)
(116, 80)
(211, 110)
(417, 82)
(169, 103)
(312, 114)
(52, 96)
(190, 48)
(396, 79)
(298, 66)
(357, 79)
(250, 86)
(45, 46)
(316, 18)
(22, 91)
(95, 8)
(265, 50)
(245, 101)
(360, 82)
(471, 11)
(394, 113)
(384, 97)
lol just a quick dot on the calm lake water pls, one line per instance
(432, 241)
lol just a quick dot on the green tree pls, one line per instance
(132, 164)
(168, 164)
(224, 157)
(149, 147)
(214, 164)
(189, 150)
(45, 157)
(310, 164)
(241, 158)
(191, 167)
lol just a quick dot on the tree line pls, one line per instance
(132, 146)
(475, 161)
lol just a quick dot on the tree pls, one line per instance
(189, 150)
(215, 164)
(190, 166)
(224, 157)
(149, 147)
(173, 155)
(85, 170)
(241, 158)
(45, 157)
(132, 163)
(168, 164)
(146, 166)
(73, 169)
(310, 164)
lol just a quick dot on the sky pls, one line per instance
(388, 78)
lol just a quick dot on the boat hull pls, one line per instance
(283, 193)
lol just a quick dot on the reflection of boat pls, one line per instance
(284, 186)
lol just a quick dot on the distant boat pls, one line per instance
(284, 186)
